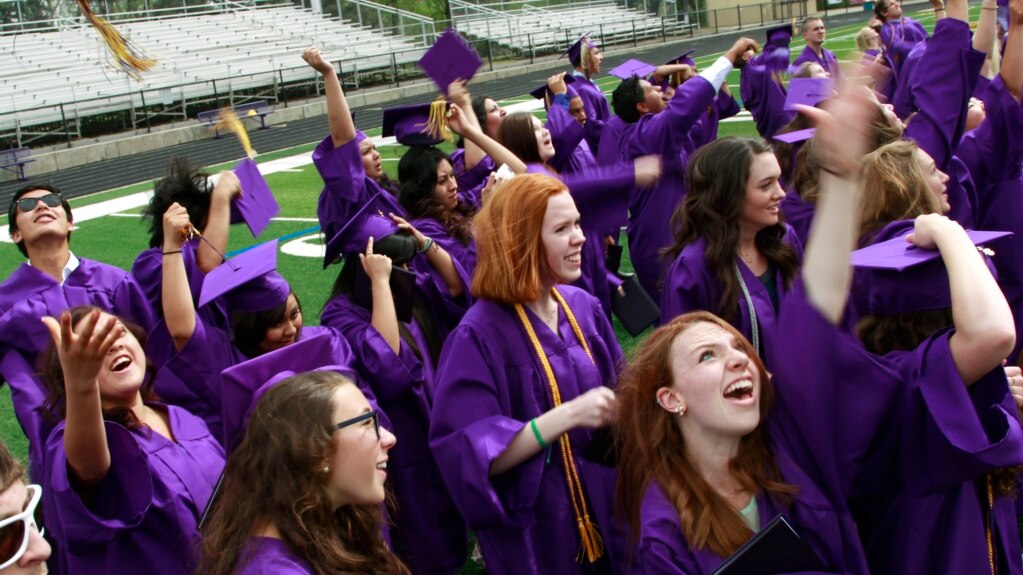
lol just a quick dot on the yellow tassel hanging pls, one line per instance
(437, 125)
(592, 542)
(227, 120)
(125, 55)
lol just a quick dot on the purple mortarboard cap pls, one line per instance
(808, 91)
(408, 125)
(541, 91)
(899, 277)
(796, 136)
(352, 238)
(575, 51)
(683, 58)
(631, 68)
(449, 59)
(249, 280)
(779, 35)
(243, 384)
(256, 205)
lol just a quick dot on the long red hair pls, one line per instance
(652, 447)
(509, 251)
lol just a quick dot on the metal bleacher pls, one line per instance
(543, 28)
(52, 75)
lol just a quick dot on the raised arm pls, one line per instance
(841, 142)
(984, 332)
(178, 308)
(339, 116)
(218, 223)
(82, 351)
(438, 257)
(384, 318)
(984, 35)
(459, 96)
(497, 152)
(1012, 60)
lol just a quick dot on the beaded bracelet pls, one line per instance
(536, 433)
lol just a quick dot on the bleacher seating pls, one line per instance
(542, 29)
(239, 50)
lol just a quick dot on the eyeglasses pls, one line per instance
(29, 204)
(14, 530)
(368, 415)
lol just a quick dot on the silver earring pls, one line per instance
(681, 410)
(326, 469)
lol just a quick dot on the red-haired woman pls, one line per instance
(523, 382)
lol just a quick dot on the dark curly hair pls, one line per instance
(417, 172)
(185, 185)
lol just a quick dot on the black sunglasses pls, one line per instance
(368, 415)
(28, 204)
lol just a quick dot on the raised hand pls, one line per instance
(377, 266)
(647, 170)
(742, 51)
(176, 225)
(82, 351)
(314, 57)
(556, 83)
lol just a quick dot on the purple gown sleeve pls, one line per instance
(662, 548)
(391, 375)
(993, 152)
(903, 100)
(27, 396)
(566, 133)
(688, 285)
(121, 499)
(763, 95)
(832, 404)
(465, 455)
(666, 133)
(471, 178)
(944, 82)
(951, 434)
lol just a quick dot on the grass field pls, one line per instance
(118, 238)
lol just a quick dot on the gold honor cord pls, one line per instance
(125, 54)
(988, 523)
(592, 544)
(228, 120)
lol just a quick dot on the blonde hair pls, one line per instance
(894, 188)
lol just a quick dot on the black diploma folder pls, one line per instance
(634, 308)
(774, 550)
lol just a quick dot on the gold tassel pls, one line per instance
(126, 56)
(592, 543)
(437, 125)
(228, 120)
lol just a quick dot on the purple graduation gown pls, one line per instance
(764, 96)
(148, 272)
(598, 112)
(993, 154)
(474, 177)
(942, 87)
(29, 294)
(269, 556)
(705, 130)
(464, 254)
(429, 535)
(490, 385)
(798, 214)
(691, 284)
(925, 513)
(826, 60)
(898, 37)
(610, 141)
(346, 188)
(191, 379)
(650, 209)
(572, 151)
(143, 515)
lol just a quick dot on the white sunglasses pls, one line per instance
(14, 531)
